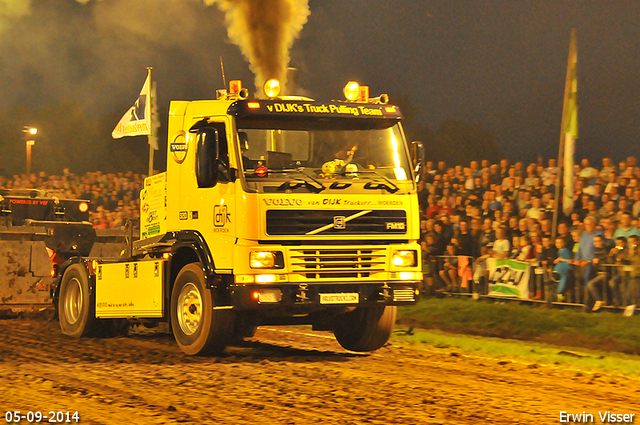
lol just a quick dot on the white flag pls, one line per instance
(137, 120)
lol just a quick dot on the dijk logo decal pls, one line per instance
(220, 216)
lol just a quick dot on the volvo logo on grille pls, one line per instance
(339, 222)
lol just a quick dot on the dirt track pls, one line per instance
(288, 376)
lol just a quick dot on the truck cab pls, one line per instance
(282, 210)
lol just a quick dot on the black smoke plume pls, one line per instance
(265, 30)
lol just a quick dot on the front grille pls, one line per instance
(336, 222)
(403, 295)
(337, 263)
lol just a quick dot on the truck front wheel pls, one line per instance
(75, 304)
(365, 328)
(243, 329)
(197, 327)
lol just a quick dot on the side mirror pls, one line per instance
(417, 154)
(197, 126)
(207, 157)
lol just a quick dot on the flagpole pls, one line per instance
(150, 136)
(565, 107)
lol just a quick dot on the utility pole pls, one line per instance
(29, 135)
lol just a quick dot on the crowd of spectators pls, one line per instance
(114, 197)
(469, 214)
(505, 210)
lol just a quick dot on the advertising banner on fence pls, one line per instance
(508, 278)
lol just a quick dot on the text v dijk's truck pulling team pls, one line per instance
(273, 211)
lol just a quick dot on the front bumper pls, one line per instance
(307, 296)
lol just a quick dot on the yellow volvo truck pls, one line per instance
(277, 211)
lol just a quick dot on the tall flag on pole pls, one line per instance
(137, 120)
(570, 125)
(155, 121)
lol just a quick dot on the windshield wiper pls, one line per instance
(390, 186)
(313, 178)
(310, 182)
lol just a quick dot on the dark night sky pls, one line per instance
(500, 64)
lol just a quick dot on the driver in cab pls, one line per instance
(247, 163)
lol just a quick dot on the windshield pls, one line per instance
(325, 154)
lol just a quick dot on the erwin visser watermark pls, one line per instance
(606, 417)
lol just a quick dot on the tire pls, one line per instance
(365, 328)
(197, 327)
(242, 330)
(76, 309)
(249, 331)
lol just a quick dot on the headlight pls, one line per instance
(404, 258)
(266, 260)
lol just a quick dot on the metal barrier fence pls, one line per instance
(450, 273)
(613, 284)
(592, 286)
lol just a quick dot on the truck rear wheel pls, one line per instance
(76, 312)
(365, 328)
(197, 327)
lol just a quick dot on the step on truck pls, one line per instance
(275, 211)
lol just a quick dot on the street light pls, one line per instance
(29, 133)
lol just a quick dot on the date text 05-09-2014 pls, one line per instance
(49, 416)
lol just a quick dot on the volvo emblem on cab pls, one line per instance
(282, 202)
